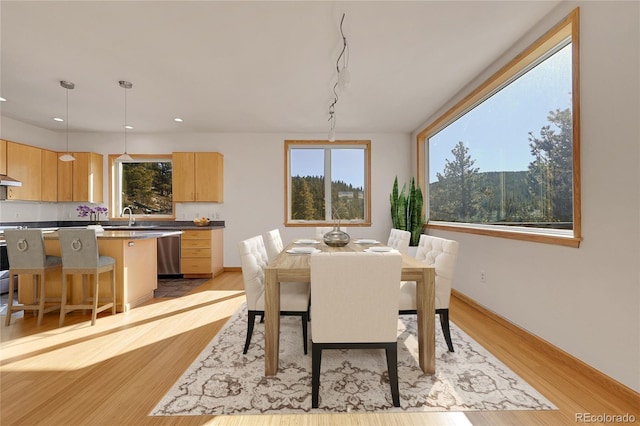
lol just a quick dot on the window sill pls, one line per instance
(547, 236)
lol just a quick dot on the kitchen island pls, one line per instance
(135, 253)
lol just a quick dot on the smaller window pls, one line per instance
(143, 184)
(327, 182)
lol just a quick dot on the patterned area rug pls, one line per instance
(176, 287)
(224, 381)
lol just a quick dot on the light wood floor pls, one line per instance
(115, 372)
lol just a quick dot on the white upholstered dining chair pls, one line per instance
(294, 297)
(355, 306)
(273, 244)
(442, 254)
(399, 240)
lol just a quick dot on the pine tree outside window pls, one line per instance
(144, 185)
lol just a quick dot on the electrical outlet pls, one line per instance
(483, 277)
(17, 215)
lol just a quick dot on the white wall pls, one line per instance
(586, 301)
(253, 179)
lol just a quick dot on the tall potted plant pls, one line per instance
(406, 209)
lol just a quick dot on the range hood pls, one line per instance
(9, 181)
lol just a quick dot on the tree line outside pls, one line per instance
(147, 187)
(308, 199)
(541, 196)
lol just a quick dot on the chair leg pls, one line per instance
(94, 311)
(42, 298)
(261, 318)
(305, 319)
(392, 366)
(63, 300)
(316, 360)
(251, 320)
(113, 290)
(444, 323)
(7, 320)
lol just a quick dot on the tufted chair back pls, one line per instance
(442, 254)
(399, 240)
(253, 259)
(273, 244)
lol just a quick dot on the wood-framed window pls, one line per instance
(327, 182)
(505, 160)
(143, 184)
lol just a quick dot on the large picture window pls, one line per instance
(143, 184)
(505, 160)
(327, 182)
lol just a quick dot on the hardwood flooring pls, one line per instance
(115, 372)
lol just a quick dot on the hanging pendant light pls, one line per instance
(68, 86)
(125, 156)
(343, 80)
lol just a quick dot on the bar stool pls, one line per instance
(80, 256)
(25, 249)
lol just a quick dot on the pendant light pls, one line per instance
(125, 85)
(343, 80)
(68, 86)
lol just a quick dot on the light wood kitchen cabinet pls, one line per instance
(198, 177)
(49, 176)
(201, 252)
(81, 179)
(24, 163)
(3, 157)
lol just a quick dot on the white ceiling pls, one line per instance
(265, 66)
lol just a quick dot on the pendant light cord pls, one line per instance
(344, 55)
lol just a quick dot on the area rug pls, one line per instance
(224, 381)
(176, 287)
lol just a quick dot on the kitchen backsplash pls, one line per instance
(27, 211)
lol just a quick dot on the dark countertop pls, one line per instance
(119, 225)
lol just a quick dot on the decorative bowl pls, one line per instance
(336, 238)
(201, 221)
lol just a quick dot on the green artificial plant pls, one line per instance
(406, 209)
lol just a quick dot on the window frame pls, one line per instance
(114, 176)
(365, 144)
(568, 27)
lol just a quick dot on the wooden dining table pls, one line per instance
(292, 268)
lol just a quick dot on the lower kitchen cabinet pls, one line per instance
(201, 252)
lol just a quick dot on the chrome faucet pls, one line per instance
(131, 219)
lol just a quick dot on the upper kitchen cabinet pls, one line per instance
(24, 163)
(81, 179)
(3, 157)
(198, 176)
(49, 176)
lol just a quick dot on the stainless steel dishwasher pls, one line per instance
(169, 255)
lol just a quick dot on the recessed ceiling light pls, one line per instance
(128, 127)
(58, 119)
(178, 120)
(2, 99)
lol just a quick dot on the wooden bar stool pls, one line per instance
(25, 249)
(80, 256)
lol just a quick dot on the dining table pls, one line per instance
(292, 266)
